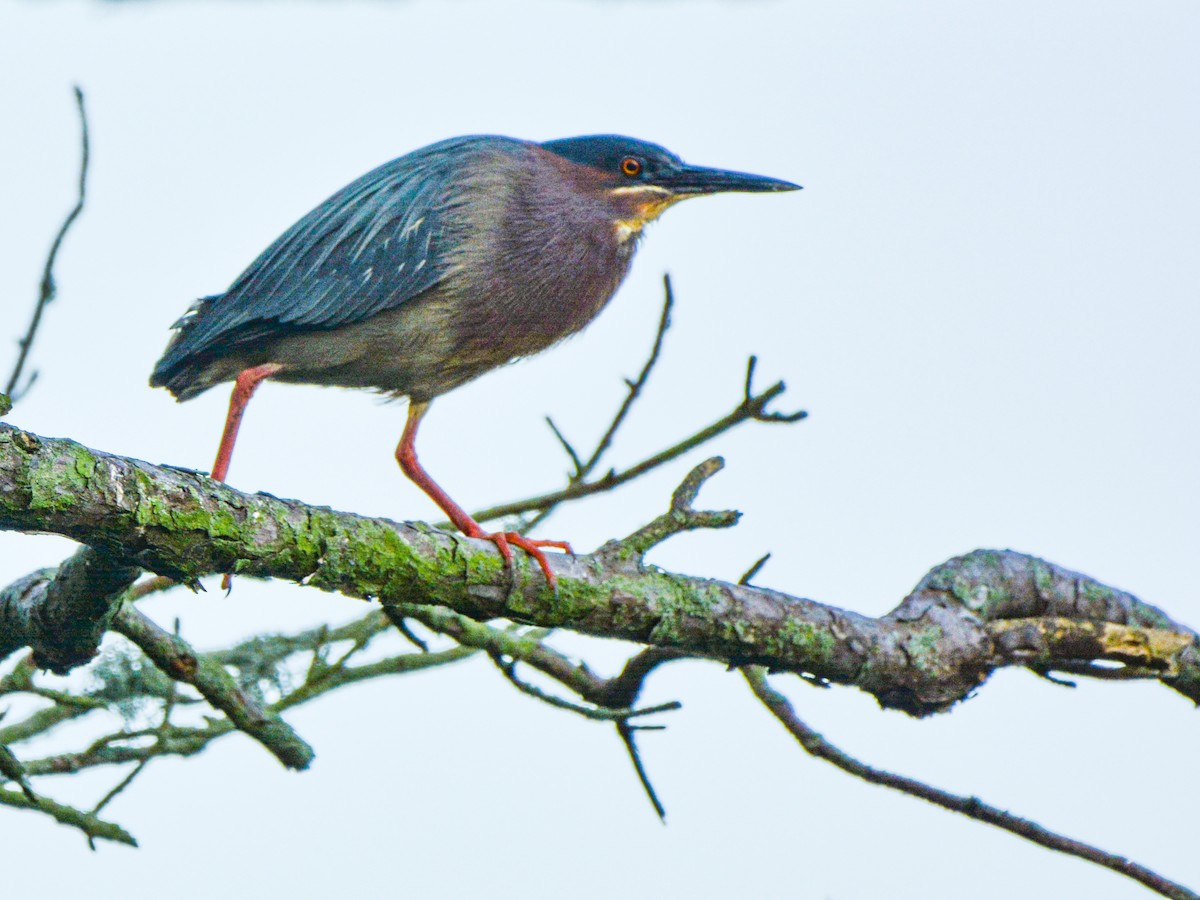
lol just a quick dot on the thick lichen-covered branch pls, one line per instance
(933, 650)
(967, 617)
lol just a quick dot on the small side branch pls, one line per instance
(612, 699)
(11, 769)
(15, 389)
(971, 807)
(172, 655)
(583, 469)
(508, 668)
(637, 385)
(95, 828)
(931, 652)
(753, 407)
(680, 517)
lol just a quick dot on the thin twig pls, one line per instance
(401, 625)
(626, 732)
(617, 694)
(971, 807)
(753, 407)
(749, 575)
(623, 690)
(160, 732)
(634, 391)
(576, 462)
(681, 516)
(635, 386)
(508, 667)
(48, 287)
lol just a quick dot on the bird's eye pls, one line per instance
(631, 166)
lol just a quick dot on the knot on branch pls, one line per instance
(62, 614)
(1051, 619)
(680, 517)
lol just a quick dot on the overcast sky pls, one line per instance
(986, 297)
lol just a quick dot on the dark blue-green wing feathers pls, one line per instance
(370, 247)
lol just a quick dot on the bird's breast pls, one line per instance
(540, 278)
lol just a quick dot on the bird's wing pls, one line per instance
(370, 247)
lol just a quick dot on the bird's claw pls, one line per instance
(506, 540)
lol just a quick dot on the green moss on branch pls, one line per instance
(928, 654)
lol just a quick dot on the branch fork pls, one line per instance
(681, 516)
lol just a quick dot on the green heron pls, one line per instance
(432, 269)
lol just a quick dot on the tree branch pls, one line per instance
(752, 408)
(90, 825)
(928, 654)
(172, 655)
(63, 613)
(972, 807)
(634, 391)
(14, 388)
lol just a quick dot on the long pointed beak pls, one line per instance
(697, 180)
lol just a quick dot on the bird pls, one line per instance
(433, 269)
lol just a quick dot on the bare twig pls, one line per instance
(752, 408)
(15, 390)
(508, 667)
(749, 575)
(623, 690)
(635, 387)
(971, 807)
(627, 732)
(613, 698)
(634, 390)
(160, 733)
(401, 625)
(572, 454)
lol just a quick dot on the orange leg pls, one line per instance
(406, 455)
(243, 389)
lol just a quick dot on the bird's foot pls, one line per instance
(506, 540)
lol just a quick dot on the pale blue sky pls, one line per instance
(986, 297)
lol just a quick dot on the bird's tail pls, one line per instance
(184, 369)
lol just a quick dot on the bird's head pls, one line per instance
(638, 180)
